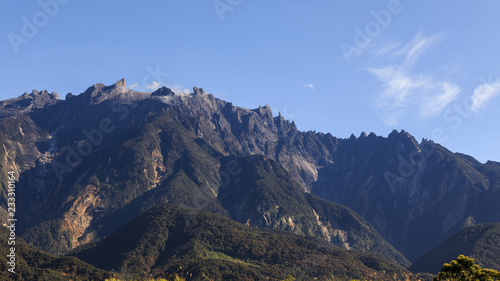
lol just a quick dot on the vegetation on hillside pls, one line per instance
(200, 246)
(33, 264)
(480, 242)
(263, 194)
(465, 269)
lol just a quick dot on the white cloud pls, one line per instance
(133, 86)
(309, 86)
(397, 86)
(415, 48)
(179, 90)
(154, 85)
(483, 93)
(402, 89)
(444, 95)
(386, 48)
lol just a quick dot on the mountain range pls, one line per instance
(90, 164)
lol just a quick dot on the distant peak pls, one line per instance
(35, 94)
(264, 111)
(120, 85)
(395, 133)
(99, 92)
(122, 82)
(163, 92)
(198, 91)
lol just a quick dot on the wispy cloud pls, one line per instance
(309, 86)
(397, 86)
(154, 85)
(133, 86)
(284, 112)
(386, 48)
(402, 89)
(484, 93)
(444, 95)
(179, 90)
(415, 48)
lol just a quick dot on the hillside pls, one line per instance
(33, 264)
(480, 242)
(261, 193)
(202, 245)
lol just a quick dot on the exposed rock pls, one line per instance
(78, 218)
(199, 91)
(163, 92)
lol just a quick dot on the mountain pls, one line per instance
(205, 246)
(261, 193)
(414, 194)
(155, 157)
(91, 163)
(480, 242)
(33, 264)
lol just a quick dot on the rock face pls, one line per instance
(138, 150)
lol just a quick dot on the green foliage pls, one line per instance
(480, 242)
(266, 189)
(465, 269)
(33, 264)
(49, 236)
(199, 245)
(172, 277)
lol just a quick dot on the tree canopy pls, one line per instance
(465, 269)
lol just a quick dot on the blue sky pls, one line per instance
(431, 68)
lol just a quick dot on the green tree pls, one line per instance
(464, 269)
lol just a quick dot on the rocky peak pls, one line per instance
(163, 92)
(121, 83)
(264, 112)
(36, 95)
(118, 86)
(198, 91)
(284, 126)
(40, 99)
(403, 140)
(99, 92)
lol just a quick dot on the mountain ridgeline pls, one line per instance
(88, 165)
